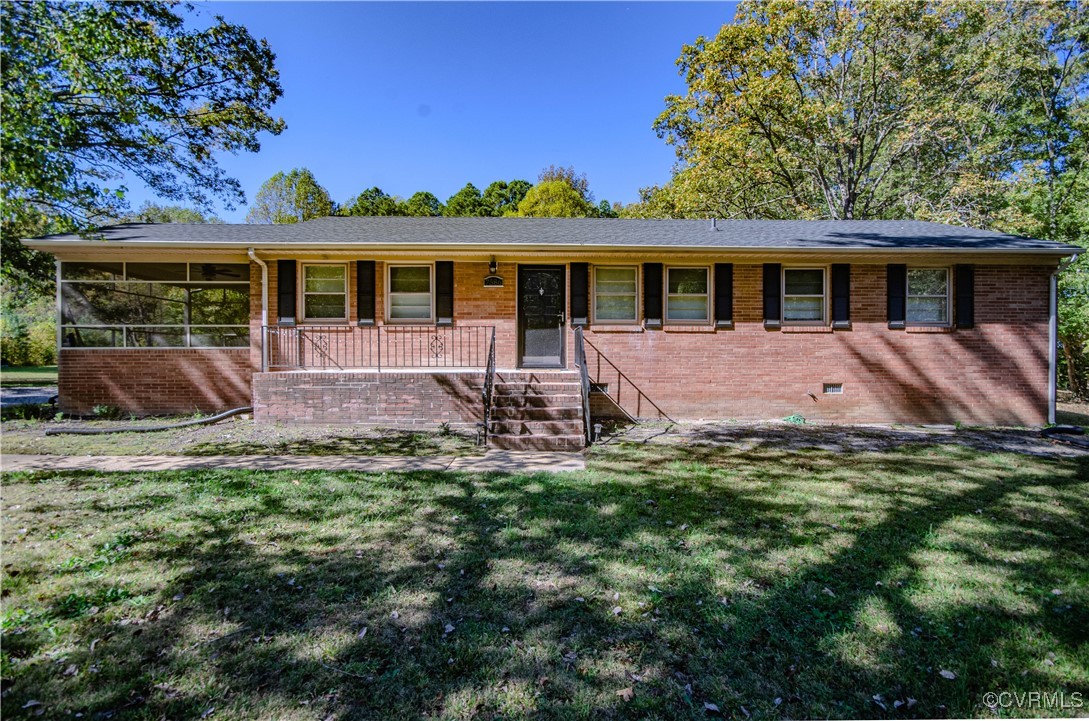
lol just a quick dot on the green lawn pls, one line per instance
(29, 376)
(770, 583)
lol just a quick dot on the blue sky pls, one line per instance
(429, 96)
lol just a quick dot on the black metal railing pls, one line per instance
(604, 373)
(341, 347)
(584, 382)
(489, 387)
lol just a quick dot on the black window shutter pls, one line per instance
(773, 297)
(580, 293)
(841, 295)
(364, 291)
(444, 292)
(724, 295)
(652, 295)
(897, 295)
(285, 291)
(965, 289)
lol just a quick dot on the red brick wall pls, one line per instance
(993, 373)
(361, 397)
(150, 381)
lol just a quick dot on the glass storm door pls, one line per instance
(541, 316)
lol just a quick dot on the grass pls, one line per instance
(28, 376)
(770, 583)
(235, 437)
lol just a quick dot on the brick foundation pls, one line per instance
(368, 397)
(148, 381)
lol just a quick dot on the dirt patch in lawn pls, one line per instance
(236, 437)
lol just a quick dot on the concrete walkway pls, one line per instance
(491, 462)
(23, 395)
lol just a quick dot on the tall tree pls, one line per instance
(554, 199)
(568, 175)
(829, 109)
(290, 198)
(466, 202)
(95, 91)
(423, 203)
(373, 201)
(501, 196)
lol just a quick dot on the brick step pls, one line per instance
(527, 377)
(536, 389)
(536, 413)
(569, 443)
(519, 427)
(543, 401)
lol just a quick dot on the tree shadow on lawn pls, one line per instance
(377, 442)
(770, 584)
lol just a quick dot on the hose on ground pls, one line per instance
(148, 429)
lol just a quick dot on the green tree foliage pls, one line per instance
(502, 197)
(92, 91)
(373, 201)
(423, 204)
(154, 213)
(290, 198)
(554, 199)
(467, 202)
(568, 175)
(959, 112)
(28, 331)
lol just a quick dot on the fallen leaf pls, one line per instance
(71, 670)
(449, 628)
(626, 693)
(506, 629)
(32, 703)
(395, 615)
(362, 632)
(947, 674)
(828, 592)
(880, 701)
(710, 708)
(211, 710)
(617, 610)
(911, 702)
(1056, 592)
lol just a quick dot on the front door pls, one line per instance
(541, 317)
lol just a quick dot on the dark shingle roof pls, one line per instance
(610, 233)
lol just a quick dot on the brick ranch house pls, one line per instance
(537, 327)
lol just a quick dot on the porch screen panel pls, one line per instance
(155, 305)
(841, 295)
(896, 285)
(773, 304)
(724, 294)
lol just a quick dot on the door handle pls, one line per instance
(563, 317)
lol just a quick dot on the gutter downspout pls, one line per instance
(264, 306)
(1053, 340)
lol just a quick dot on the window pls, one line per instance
(687, 295)
(325, 291)
(410, 296)
(803, 295)
(928, 296)
(155, 305)
(616, 295)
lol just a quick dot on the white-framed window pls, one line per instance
(616, 294)
(410, 293)
(804, 295)
(324, 291)
(688, 295)
(928, 296)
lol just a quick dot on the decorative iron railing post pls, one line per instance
(584, 382)
(489, 385)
